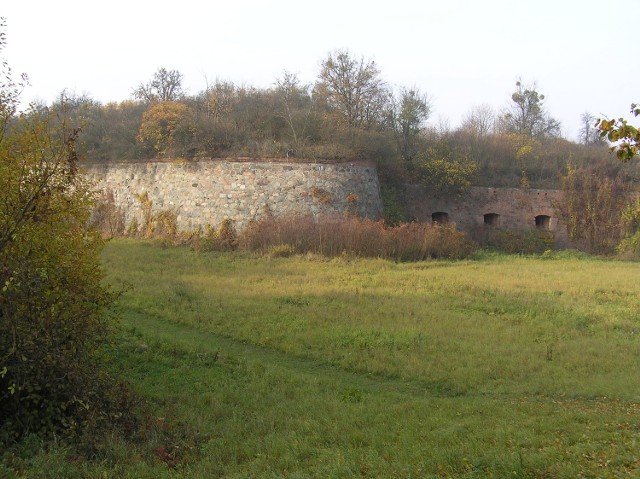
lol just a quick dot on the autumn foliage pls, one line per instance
(52, 300)
(164, 125)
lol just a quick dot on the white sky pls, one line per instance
(460, 52)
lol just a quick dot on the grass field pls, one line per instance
(501, 366)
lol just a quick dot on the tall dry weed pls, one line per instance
(339, 235)
(106, 217)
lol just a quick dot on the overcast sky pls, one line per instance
(460, 52)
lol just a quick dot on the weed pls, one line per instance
(353, 395)
(224, 238)
(107, 217)
(344, 236)
(281, 251)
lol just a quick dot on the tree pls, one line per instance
(165, 126)
(215, 130)
(412, 111)
(295, 107)
(589, 134)
(626, 138)
(630, 219)
(444, 171)
(166, 85)
(112, 134)
(83, 111)
(479, 121)
(591, 208)
(52, 301)
(218, 99)
(526, 114)
(353, 88)
(9, 88)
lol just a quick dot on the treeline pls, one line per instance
(349, 113)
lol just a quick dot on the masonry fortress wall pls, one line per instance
(206, 192)
(510, 208)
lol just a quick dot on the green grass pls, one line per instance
(486, 327)
(307, 367)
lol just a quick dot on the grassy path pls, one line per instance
(188, 338)
(256, 412)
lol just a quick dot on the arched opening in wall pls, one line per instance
(491, 219)
(440, 218)
(543, 221)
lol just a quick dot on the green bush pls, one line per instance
(394, 212)
(444, 171)
(629, 247)
(534, 241)
(52, 300)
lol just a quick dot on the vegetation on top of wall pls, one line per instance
(350, 112)
(443, 171)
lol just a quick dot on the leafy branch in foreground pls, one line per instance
(626, 137)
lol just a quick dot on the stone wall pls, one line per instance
(208, 191)
(510, 208)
